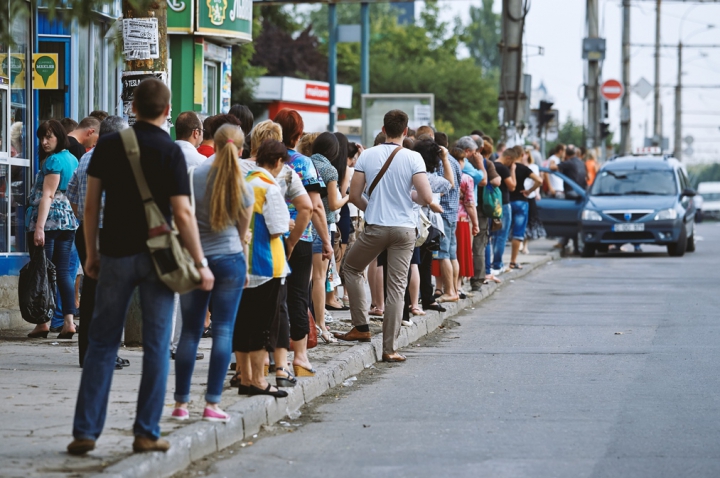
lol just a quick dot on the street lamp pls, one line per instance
(678, 88)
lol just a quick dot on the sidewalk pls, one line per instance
(39, 381)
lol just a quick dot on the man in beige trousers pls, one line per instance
(390, 225)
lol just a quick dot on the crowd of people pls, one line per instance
(278, 222)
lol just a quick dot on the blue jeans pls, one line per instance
(58, 317)
(229, 271)
(520, 219)
(499, 238)
(119, 276)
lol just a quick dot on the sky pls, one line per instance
(559, 27)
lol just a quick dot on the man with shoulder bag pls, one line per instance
(146, 185)
(391, 173)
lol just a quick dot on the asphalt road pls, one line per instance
(604, 367)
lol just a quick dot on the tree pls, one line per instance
(483, 35)
(244, 73)
(569, 133)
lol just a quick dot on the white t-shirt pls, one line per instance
(390, 203)
(556, 182)
(192, 157)
(529, 181)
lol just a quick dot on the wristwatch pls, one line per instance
(202, 263)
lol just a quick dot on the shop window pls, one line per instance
(210, 92)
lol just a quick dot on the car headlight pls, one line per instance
(666, 214)
(590, 215)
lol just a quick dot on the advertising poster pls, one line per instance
(130, 81)
(140, 39)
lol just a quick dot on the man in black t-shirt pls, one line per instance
(572, 167)
(84, 137)
(126, 263)
(505, 167)
(520, 206)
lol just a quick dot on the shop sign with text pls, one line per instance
(45, 71)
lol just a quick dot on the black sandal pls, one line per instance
(435, 306)
(259, 391)
(244, 389)
(515, 265)
(235, 380)
(289, 381)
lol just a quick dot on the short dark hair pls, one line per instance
(151, 98)
(411, 132)
(570, 151)
(243, 113)
(380, 138)
(477, 132)
(89, 122)
(510, 153)
(99, 114)
(395, 122)
(352, 149)
(112, 124)
(408, 143)
(219, 120)
(68, 124)
(558, 147)
(269, 152)
(425, 129)
(207, 131)
(54, 127)
(441, 139)
(292, 126)
(186, 123)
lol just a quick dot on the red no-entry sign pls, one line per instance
(611, 90)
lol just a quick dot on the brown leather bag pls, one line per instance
(312, 335)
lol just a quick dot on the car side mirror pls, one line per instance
(690, 192)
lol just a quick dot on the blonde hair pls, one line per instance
(228, 187)
(304, 146)
(267, 129)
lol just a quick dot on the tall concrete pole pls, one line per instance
(678, 106)
(511, 77)
(592, 92)
(332, 63)
(657, 118)
(364, 48)
(625, 131)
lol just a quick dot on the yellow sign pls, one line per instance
(13, 67)
(45, 71)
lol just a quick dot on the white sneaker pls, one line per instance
(496, 272)
(407, 323)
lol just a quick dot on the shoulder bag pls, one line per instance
(377, 179)
(173, 263)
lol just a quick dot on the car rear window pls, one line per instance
(634, 182)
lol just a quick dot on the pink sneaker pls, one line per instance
(180, 414)
(210, 415)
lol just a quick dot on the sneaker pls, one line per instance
(210, 415)
(407, 323)
(496, 272)
(180, 414)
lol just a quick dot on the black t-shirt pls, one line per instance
(522, 172)
(504, 173)
(125, 230)
(574, 168)
(77, 149)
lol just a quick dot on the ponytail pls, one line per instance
(229, 186)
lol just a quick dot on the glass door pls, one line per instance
(55, 104)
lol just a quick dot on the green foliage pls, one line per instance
(244, 73)
(570, 132)
(704, 172)
(482, 36)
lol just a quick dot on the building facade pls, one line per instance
(83, 72)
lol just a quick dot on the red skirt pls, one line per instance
(464, 252)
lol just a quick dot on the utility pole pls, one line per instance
(625, 131)
(592, 88)
(657, 127)
(364, 48)
(678, 105)
(332, 63)
(511, 70)
(133, 69)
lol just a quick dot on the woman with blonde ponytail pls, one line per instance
(223, 205)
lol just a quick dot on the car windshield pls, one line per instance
(711, 196)
(634, 182)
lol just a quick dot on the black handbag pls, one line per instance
(432, 243)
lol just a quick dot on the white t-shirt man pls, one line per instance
(390, 203)
(556, 182)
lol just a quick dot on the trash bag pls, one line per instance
(36, 288)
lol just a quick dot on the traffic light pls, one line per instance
(546, 114)
(604, 130)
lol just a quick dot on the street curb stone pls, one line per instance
(201, 439)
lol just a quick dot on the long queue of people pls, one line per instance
(277, 222)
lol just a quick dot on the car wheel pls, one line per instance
(691, 243)
(603, 248)
(677, 249)
(588, 250)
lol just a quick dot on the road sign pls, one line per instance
(689, 140)
(611, 90)
(643, 88)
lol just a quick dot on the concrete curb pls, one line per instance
(200, 439)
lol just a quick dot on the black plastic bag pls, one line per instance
(36, 288)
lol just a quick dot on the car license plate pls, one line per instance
(629, 227)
